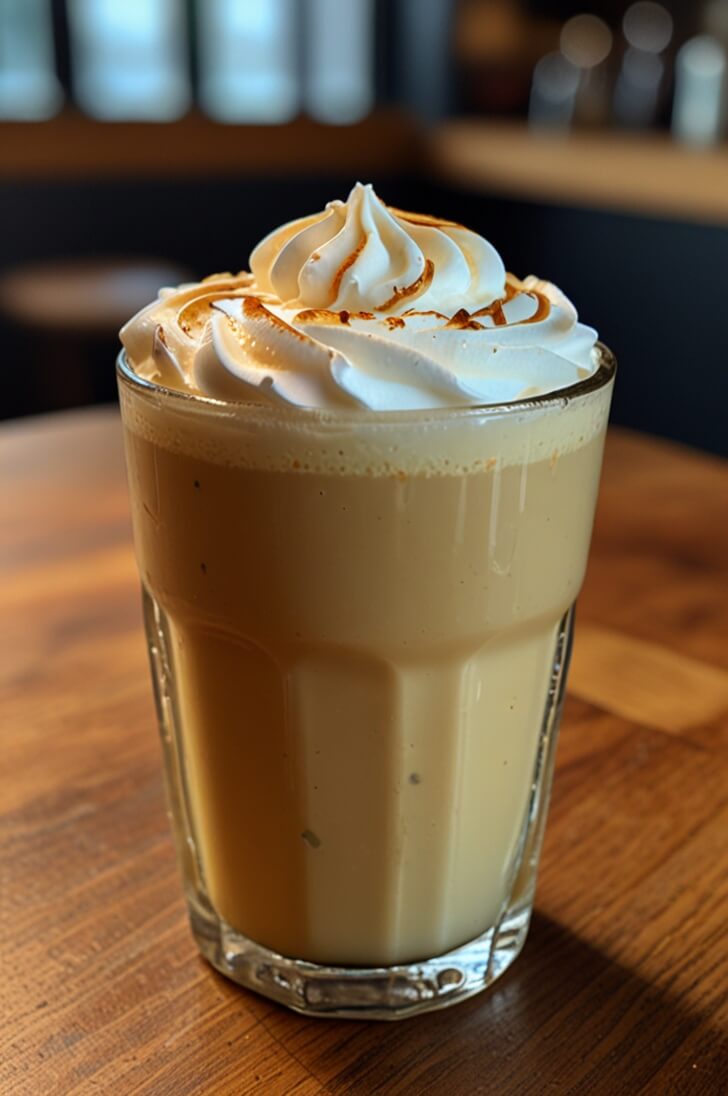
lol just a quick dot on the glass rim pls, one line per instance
(604, 373)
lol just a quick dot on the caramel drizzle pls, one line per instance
(328, 315)
(348, 261)
(254, 309)
(418, 286)
(466, 321)
(242, 278)
(463, 322)
(544, 307)
(192, 317)
(423, 219)
(495, 310)
(426, 312)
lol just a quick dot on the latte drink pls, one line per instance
(358, 623)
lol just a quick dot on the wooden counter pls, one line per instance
(621, 988)
(640, 173)
(73, 146)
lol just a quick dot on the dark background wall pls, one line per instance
(654, 289)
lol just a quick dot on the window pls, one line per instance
(339, 60)
(248, 61)
(256, 61)
(129, 58)
(29, 88)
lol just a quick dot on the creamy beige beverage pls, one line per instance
(362, 658)
(361, 602)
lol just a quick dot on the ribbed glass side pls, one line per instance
(304, 888)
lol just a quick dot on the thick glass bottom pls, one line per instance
(370, 993)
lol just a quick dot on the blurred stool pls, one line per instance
(63, 318)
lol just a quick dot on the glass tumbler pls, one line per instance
(359, 628)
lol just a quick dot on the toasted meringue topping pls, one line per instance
(364, 305)
(362, 255)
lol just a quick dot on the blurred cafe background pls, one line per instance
(145, 142)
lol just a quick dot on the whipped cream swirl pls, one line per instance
(364, 305)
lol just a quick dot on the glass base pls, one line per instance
(363, 993)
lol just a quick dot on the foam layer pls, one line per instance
(443, 443)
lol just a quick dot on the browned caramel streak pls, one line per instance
(495, 310)
(463, 321)
(243, 277)
(348, 261)
(427, 312)
(543, 309)
(328, 315)
(423, 219)
(420, 284)
(192, 315)
(393, 322)
(253, 309)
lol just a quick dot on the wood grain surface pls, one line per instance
(622, 986)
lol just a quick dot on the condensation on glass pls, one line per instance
(129, 59)
(29, 88)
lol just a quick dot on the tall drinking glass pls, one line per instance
(359, 627)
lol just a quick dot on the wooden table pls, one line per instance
(621, 988)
